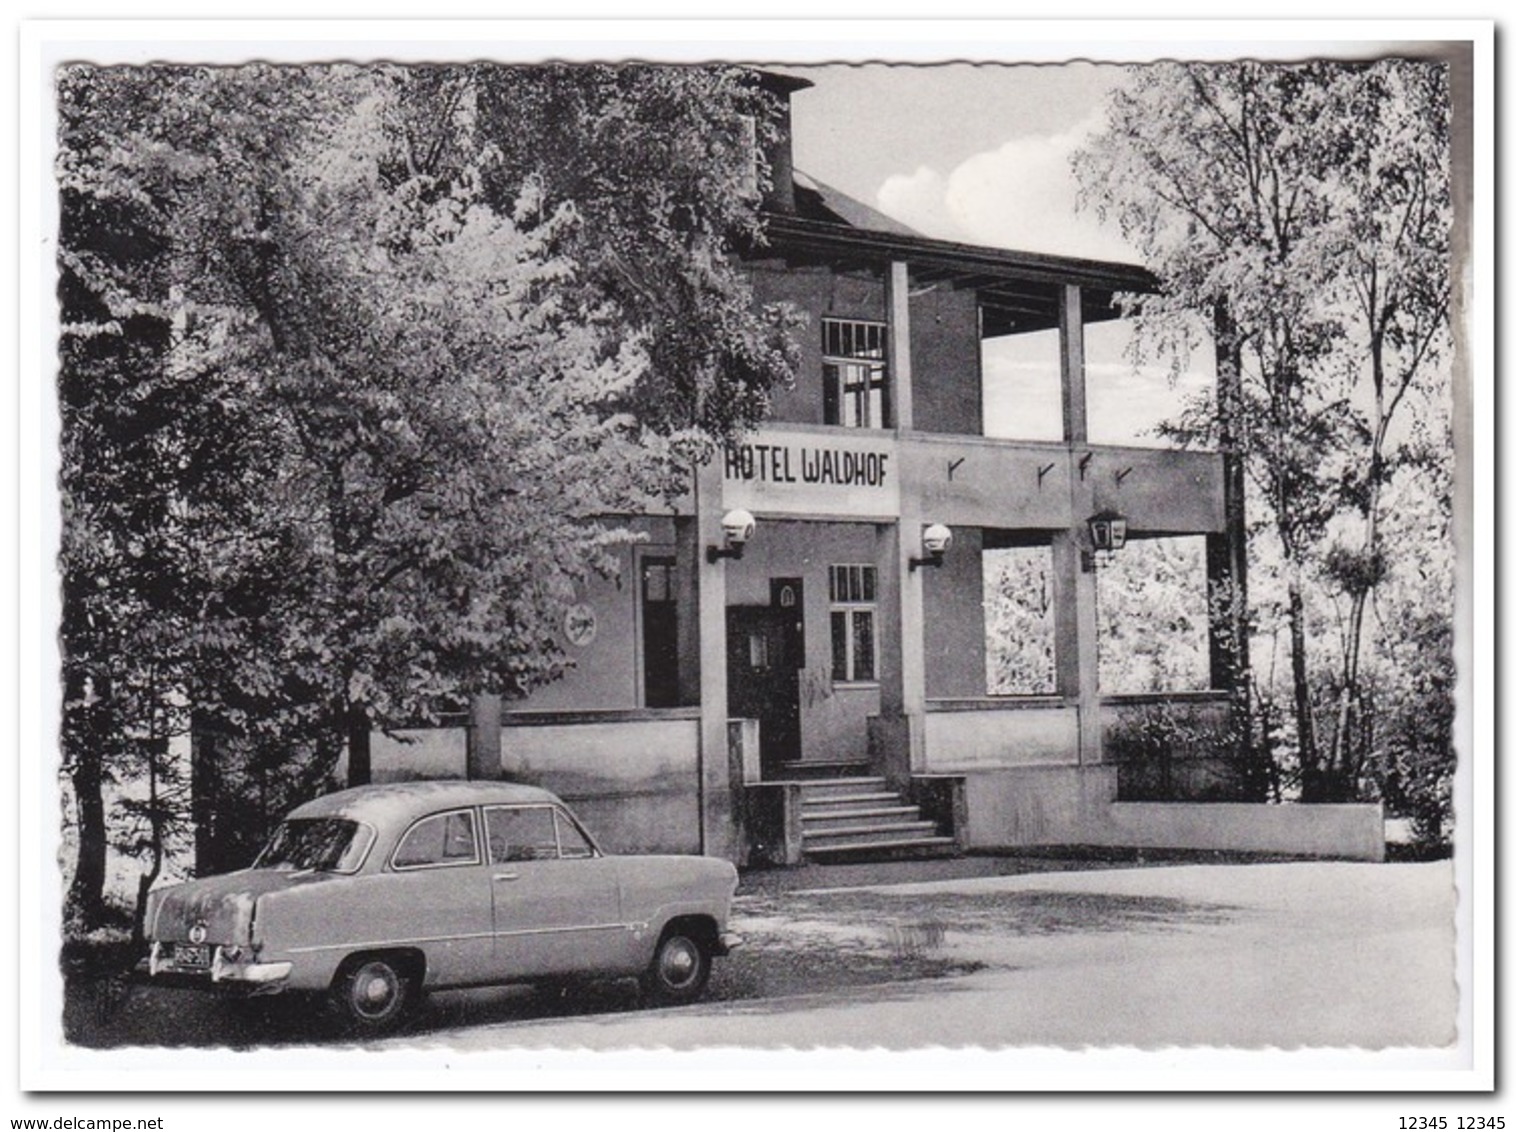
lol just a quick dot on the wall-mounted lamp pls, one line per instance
(1107, 535)
(935, 540)
(736, 528)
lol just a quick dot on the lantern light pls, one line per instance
(736, 528)
(1107, 535)
(1108, 530)
(935, 540)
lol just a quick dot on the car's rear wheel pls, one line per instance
(371, 995)
(680, 968)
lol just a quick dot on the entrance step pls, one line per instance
(856, 819)
(835, 789)
(885, 831)
(828, 811)
(912, 849)
(848, 801)
(822, 771)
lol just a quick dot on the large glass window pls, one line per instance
(854, 379)
(532, 833)
(1018, 621)
(853, 608)
(322, 844)
(442, 839)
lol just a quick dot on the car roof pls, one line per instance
(404, 801)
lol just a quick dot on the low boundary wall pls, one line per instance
(1345, 831)
(1051, 806)
(422, 752)
(634, 778)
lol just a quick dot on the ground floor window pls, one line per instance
(1018, 620)
(853, 610)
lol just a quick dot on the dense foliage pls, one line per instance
(358, 365)
(1306, 209)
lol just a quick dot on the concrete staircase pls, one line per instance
(856, 818)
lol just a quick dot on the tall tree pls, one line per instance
(1281, 201)
(1395, 212)
(431, 403)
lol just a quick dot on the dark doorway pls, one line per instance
(765, 646)
(660, 634)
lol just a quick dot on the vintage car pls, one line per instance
(375, 895)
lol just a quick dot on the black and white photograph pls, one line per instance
(692, 560)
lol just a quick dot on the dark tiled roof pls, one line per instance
(816, 200)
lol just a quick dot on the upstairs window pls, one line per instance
(854, 378)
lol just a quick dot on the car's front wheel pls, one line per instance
(372, 995)
(680, 968)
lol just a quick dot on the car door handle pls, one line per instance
(507, 876)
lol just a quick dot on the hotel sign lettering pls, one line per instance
(813, 474)
(783, 464)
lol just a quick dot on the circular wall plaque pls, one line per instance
(579, 625)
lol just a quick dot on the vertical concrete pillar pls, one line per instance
(1076, 423)
(689, 558)
(896, 745)
(1076, 620)
(896, 738)
(897, 289)
(483, 738)
(714, 788)
(1076, 639)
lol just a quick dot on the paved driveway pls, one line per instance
(1288, 955)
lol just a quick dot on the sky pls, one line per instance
(974, 153)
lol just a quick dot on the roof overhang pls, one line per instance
(1018, 291)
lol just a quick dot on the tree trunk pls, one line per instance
(1349, 714)
(207, 800)
(359, 758)
(1311, 777)
(157, 749)
(86, 733)
(1227, 563)
(86, 893)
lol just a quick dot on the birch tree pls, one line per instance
(1303, 209)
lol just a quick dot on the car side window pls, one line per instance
(571, 842)
(521, 833)
(442, 839)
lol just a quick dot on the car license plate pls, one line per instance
(192, 956)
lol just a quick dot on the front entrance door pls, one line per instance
(765, 649)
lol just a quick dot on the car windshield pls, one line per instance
(325, 844)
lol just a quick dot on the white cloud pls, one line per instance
(919, 200)
(1020, 196)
